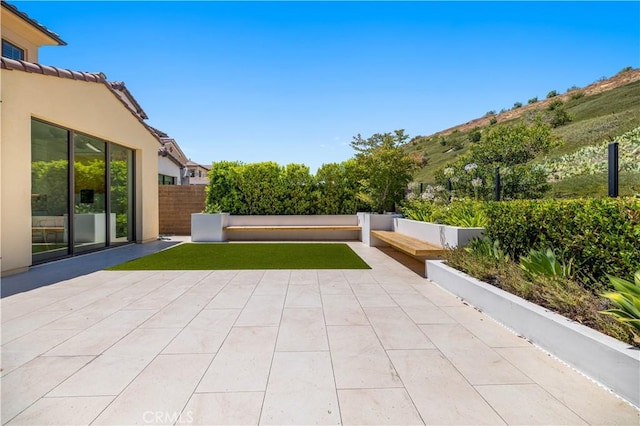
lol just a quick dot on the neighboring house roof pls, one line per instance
(194, 164)
(55, 37)
(174, 149)
(118, 91)
(164, 152)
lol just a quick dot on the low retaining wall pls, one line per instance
(435, 233)
(613, 363)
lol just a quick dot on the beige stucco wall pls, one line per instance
(78, 105)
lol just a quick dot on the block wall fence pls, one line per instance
(176, 203)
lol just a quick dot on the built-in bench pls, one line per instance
(293, 228)
(412, 246)
(225, 227)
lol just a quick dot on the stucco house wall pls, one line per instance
(83, 106)
(168, 167)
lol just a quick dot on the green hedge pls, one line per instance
(601, 235)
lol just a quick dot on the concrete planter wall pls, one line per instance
(374, 222)
(435, 233)
(208, 227)
(605, 359)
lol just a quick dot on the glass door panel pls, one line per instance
(49, 192)
(89, 225)
(121, 173)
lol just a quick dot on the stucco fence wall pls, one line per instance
(176, 203)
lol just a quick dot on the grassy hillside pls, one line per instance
(597, 117)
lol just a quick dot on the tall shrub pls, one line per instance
(601, 235)
(268, 188)
(337, 188)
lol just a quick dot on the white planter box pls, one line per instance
(374, 222)
(435, 233)
(605, 359)
(207, 227)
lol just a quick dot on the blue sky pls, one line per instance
(293, 82)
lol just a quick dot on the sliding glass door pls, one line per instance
(49, 191)
(82, 193)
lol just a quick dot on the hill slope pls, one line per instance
(600, 111)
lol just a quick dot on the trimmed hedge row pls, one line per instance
(602, 236)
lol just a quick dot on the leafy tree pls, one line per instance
(517, 105)
(50, 178)
(532, 100)
(552, 94)
(513, 144)
(386, 168)
(509, 147)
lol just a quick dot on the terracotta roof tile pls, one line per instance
(160, 134)
(120, 87)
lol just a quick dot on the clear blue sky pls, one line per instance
(292, 82)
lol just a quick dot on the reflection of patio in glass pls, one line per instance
(378, 346)
(93, 160)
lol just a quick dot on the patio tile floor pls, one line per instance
(382, 346)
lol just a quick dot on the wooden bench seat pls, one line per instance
(292, 228)
(409, 245)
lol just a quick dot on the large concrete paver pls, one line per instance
(379, 346)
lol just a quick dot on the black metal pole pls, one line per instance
(613, 169)
(497, 184)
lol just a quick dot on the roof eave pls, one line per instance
(53, 36)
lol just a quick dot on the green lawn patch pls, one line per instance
(219, 256)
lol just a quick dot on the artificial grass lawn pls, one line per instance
(218, 256)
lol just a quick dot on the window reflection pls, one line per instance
(96, 185)
(89, 203)
(49, 191)
(121, 169)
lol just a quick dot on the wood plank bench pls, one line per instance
(245, 228)
(409, 245)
